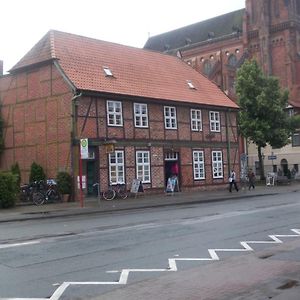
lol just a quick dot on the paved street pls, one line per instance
(246, 247)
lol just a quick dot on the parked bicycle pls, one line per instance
(118, 190)
(49, 193)
(28, 189)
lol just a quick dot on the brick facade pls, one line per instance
(157, 140)
(36, 111)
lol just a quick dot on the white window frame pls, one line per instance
(214, 121)
(170, 117)
(198, 165)
(114, 113)
(140, 117)
(143, 167)
(196, 119)
(217, 164)
(117, 167)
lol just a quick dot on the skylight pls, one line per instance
(190, 84)
(107, 71)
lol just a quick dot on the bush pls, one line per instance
(36, 173)
(8, 189)
(15, 169)
(64, 182)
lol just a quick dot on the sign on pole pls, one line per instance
(84, 148)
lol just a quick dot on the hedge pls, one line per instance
(8, 189)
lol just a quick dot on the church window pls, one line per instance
(207, 66)
(232, 60)
(298, 6)
(276, 9)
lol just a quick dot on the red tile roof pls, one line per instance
(137, 72)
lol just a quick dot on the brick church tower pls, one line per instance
(272, 36)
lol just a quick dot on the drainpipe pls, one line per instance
(73, 135)
(228, 141)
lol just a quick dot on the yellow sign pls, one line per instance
(110, 148)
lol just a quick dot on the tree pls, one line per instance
(262, 117)
(36, 173)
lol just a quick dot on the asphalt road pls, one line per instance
(157, 253)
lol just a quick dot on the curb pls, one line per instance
(97, 210)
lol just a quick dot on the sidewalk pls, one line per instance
(93, 206)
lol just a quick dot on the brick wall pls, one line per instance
(36, 112)
(157, 140)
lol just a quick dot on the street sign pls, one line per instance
(84, 148)
(272, 157)
(243, 157)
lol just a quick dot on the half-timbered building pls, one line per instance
(146, 115)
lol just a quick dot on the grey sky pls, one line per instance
(128, 22)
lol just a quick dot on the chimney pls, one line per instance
(1, 67)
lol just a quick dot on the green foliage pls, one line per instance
(15, 169)
(64, 182)
(36, 173)
(262, 118)
(8, 189)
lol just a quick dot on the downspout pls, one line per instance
(228, 141)
(73, 127)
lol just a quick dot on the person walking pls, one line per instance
(251, 177)
(232, 181)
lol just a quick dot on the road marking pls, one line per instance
(4, 246)
(124, 273)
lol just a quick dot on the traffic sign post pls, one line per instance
(84, 154)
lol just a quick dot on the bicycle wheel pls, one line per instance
(38, 198)
(109, 195)
(122, 193)
(54, 196)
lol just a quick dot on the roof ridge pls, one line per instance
(52, 44)
(196, 23)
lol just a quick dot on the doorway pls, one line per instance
(171, 166)
(90, 177)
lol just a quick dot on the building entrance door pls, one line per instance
(171, 166)
(90, 176)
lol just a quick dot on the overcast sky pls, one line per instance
(128, 22)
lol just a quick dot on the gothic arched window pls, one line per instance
(298, 6)
(232, 60)
(207, 66)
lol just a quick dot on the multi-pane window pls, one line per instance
(198, 165)
(140, 115)
(217, 164)
(116, 167)
(214, 121)
(114, 113)
(143, 166)
(296, 139)
(196, 123)
(170, 117)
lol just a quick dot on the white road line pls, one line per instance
(4, 246)
(124, 273)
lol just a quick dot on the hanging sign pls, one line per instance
(84, 148)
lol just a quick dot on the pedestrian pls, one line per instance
(232, 181)
(251, 177)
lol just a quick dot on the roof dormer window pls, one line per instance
(190, 84)
(108, 71)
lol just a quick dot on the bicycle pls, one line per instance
(28, 189)
(114, 191)
(48, 193)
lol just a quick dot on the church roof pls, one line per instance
(104, 67)
(223, 25)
